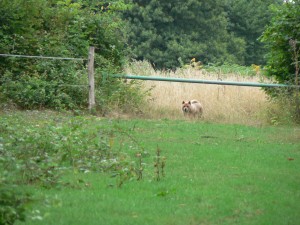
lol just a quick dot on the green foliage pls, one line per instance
(38, 153)
(232, 69)
(35, 91)
(282, 39)
(12, 203)
(284, 27)
(120, 95)
(13, 200)
(247, 20)
(39, 148)
(65, 29)
(164, 31)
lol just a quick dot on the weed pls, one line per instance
(140, 166)
(13, 202)
(159, 164)
(125, 172)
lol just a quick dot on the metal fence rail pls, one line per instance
(184, 80)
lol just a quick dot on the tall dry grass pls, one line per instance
(225, 104)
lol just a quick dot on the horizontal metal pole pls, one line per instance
(185, 80)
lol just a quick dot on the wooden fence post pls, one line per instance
(91, 78)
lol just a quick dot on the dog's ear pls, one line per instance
(190, 103)
(183, 102)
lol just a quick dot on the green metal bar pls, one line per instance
(184, 80)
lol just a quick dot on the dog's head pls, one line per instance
(186, 106)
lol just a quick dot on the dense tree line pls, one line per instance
(248, 20)
(169, 32)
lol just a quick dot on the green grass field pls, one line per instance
(214, 174)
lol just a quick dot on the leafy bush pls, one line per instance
(282, 39)
(64, 29)
(36, 92)
(12, 199)
(12, 204)
(39, 148)
(284, 27)
(126, 96)
(38, 154)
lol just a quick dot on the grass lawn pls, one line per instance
(214, 174)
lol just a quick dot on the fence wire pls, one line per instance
(40, 57)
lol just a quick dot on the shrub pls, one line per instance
(12, 204)
(64, 28)
(36, 92)
(282, 40)
(125, 96)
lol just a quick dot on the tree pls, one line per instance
(165, 31)
(247, 20)
(284, 27)
(282, 38)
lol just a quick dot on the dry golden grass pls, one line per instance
(225, 104)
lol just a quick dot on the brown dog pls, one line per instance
(192, 108)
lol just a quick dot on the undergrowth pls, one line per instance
(40, 148)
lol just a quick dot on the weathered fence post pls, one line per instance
(91, 78)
